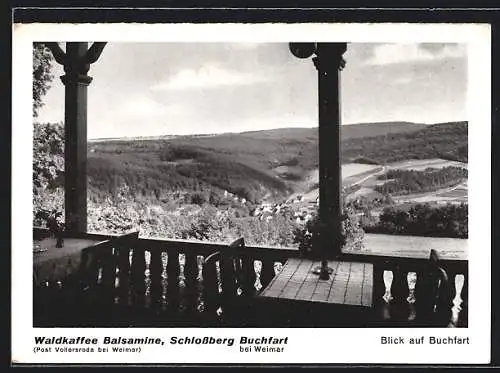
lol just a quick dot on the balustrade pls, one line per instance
(406, 298)
(161, 279)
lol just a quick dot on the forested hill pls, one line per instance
(348, 131)
(255, 165)
(442, 140)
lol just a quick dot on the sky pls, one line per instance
(154, 89)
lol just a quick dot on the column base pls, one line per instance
(317, 270)
(323, 273)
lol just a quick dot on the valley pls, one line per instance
(263, 184)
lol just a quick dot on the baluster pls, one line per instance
(191, 281)
(155, 270)
(457, 301)
(164, 258)
(412, 282)
(173, 272)
(388, 279)
(93, 269)
(123, 274)
(210, 289)
(249, 277)
(228, 282)
(108, 274)
(267, 272)
(137, 274)
(238, 272)
(83, 275)
(465, 298)
(411, 299)
(147, 279)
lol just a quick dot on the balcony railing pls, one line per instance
(153, 282)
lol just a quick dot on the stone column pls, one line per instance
(76, 62)
(329, 62)
(75, 81)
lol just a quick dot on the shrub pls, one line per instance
(351, 238)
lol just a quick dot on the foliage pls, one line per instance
(48, 170)
(351, 238)
(48, 146)
(48, 155)
(364, 203)
(277, 231)
(159, 172)
(412, 181)
(42, 74)
(364, 160)
(210, 225)
(53, 219)
(112, 217)
(423, 220)
(179, 190)
(444, 140)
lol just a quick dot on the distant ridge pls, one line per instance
(348, 131)
(258, 165)
(133, 138)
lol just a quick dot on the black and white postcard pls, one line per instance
(251, 193)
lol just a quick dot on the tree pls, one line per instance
(210, 224)
(48, 169)
(48, 145)
(42, 74)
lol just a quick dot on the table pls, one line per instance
(297, 297)
(55, 263)
(351, 283)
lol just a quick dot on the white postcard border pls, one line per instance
(358, 345)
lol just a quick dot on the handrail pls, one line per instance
(417, 262)
(198, 246)
(208, 247)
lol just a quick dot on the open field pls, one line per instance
(367, 177)
(422, 164)
(360, 177)
(357, 169)
(456, 194)
(413, 246)
(352, 173)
